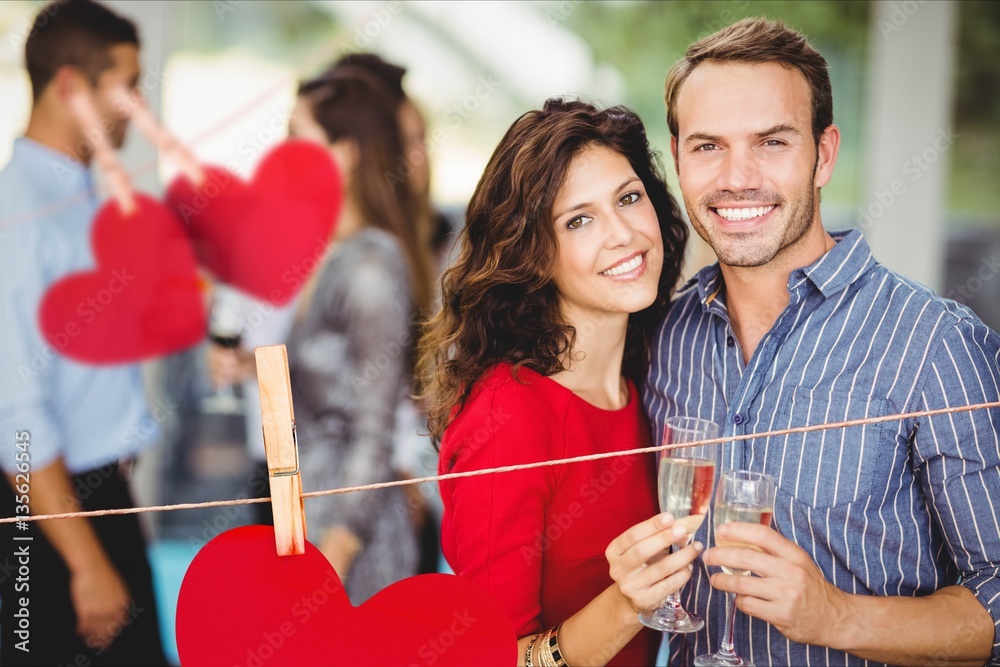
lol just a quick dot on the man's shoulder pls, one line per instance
(919, 298)
(24, 199)
(17, 193)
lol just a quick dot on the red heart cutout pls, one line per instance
(265, 237)
(242, 604)
(142, 300)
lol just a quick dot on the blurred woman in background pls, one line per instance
(414, 454)
(349, 351)
(413, 169)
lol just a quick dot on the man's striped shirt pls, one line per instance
(897, 508)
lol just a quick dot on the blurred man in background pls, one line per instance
(88, 595)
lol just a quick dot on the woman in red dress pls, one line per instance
(571, 249)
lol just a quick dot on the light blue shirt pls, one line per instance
(898, 508)
(90, 415)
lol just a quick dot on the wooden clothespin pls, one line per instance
(281, 446)
(167, 143)
(84, 108)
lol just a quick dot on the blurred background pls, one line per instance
(916, 95)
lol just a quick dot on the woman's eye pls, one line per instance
(578, 222)
(630, 198)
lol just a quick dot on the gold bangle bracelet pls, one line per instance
(527, 653)
(543, 656)
(551, 648)
(543, 653)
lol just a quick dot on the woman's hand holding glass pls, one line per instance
(643, 581)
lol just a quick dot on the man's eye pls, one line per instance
(771, 143)
(630, 198)
(705, 148)
(578, 222)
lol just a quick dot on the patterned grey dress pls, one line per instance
(349, 364)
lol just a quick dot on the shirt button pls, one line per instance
(737, 419)
(729, 341)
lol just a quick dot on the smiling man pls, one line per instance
(885, 541)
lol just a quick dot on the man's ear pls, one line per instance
(673, 151)
(69, 81)
(826, 155)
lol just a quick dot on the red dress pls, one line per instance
(536, 538)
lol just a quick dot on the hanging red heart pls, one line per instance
(267, 236)
(242, 604)
(142, 300)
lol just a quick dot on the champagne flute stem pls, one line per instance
(673, 600)
(726, 650)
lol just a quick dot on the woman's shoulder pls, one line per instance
(508, 405)
(514, 385)
(374, 244)
(369, 269)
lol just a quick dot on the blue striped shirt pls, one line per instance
(90, 415)
(897, 508)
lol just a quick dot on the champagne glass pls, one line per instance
(685, 490)
(225, 328)
(746, 497)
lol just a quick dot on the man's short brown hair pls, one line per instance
(78, 33)
(755, 41)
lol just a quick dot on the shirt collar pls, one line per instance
(57, 172)
(846, 262)
(709, 282)
(849, 259)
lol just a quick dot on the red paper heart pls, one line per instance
(265, 237)
(142, 300)
(242, 604)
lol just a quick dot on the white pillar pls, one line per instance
(909, 135)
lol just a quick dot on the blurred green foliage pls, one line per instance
(974, 194)
(282, 32)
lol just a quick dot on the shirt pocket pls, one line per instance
(835, 466)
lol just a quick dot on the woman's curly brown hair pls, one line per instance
(498, 300)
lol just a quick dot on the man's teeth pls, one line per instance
(630, 265)
(740, 214)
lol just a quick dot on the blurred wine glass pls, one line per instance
(225, 329)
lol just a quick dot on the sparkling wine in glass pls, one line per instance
(685, 490)
(746, 497)
(743, 513)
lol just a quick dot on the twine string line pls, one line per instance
(511, 468)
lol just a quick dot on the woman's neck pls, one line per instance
(349, 222)
(594, 367)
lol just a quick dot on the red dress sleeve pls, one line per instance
(490, 522)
